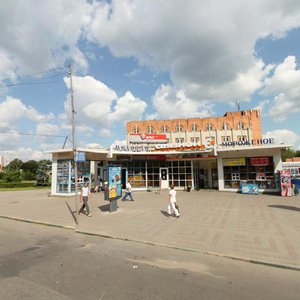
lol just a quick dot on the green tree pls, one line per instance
(30, 169)
(14, 165)
(42, 175)
(13, 176)
(30, 166)
(288, 153)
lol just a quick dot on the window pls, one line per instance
(225, 138)
(225, 126)
(136, 129)
(209, 126)
(179, 140)
(194, 139)
(242, 137)
(194, 127)
(241, 125)
(179, 128)
(150, 129)
(164, 129)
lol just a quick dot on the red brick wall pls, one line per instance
(250, 118)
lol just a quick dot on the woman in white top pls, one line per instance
(84, 197)
(172, 203)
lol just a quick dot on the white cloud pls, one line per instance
(171, 103)
(284, 136)
(284, 85)
(98, 105)
(127, 108)
(41, 35)
(208, 47)
(105, 132)
(24, 154)
(12, 110)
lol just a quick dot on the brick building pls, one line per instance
(215, 152)
(233, 126)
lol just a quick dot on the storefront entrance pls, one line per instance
(164, 178)
(200, 178)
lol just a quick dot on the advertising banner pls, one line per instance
(147, 138)
(114, 183)
(259, 161)
(250, 188)
(229, 162)
(285, 183)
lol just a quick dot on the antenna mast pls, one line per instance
(74, 143)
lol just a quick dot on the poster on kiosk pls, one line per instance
(114, 183)
(285, 182)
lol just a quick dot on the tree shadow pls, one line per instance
(294, 208)
(72, 212)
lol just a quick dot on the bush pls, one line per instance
(17, 184)
(13, 176)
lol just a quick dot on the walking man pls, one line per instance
(84, 197)
(128, 191)
(172, 202)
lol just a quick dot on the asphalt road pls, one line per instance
(40, 262)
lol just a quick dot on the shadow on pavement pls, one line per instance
(294, 208)
(165, 213)
(71, 211)
(104, 208)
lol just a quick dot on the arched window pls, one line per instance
(179, 128)
(150, 129)
(164, 129)
(209, 126)
(195, 127)
(241, 125)
(136, 129)
(225, 126)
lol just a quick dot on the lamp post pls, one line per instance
(74, 144)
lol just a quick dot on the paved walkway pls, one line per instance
(257, 228)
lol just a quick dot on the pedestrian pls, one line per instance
(128, 191)
(84, 197)
(172, 203)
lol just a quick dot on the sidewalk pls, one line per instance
(257, 228)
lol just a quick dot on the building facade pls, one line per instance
(208, 153)
(233, 126)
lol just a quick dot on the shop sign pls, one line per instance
(265, 141)
(124, 148)
(293, 164)
(180, 146)
(230, 162)
(147, 138)
(79, 156)
(259, 161)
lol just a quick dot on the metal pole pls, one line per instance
(74, 145)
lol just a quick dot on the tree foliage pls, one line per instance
(13, 176)
(15, 165)
(289, 153)
(42, 174)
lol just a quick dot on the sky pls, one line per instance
(139, 60)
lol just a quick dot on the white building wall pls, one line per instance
(54, 176)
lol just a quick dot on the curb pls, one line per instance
(239, 258)
(108, 236)
(38, 222)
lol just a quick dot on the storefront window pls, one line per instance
(258, 170)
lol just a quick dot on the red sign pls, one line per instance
(259, 161)
(147, 138)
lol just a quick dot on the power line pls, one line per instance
(43, 80)
(34, 134)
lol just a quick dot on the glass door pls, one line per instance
(164, 178)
